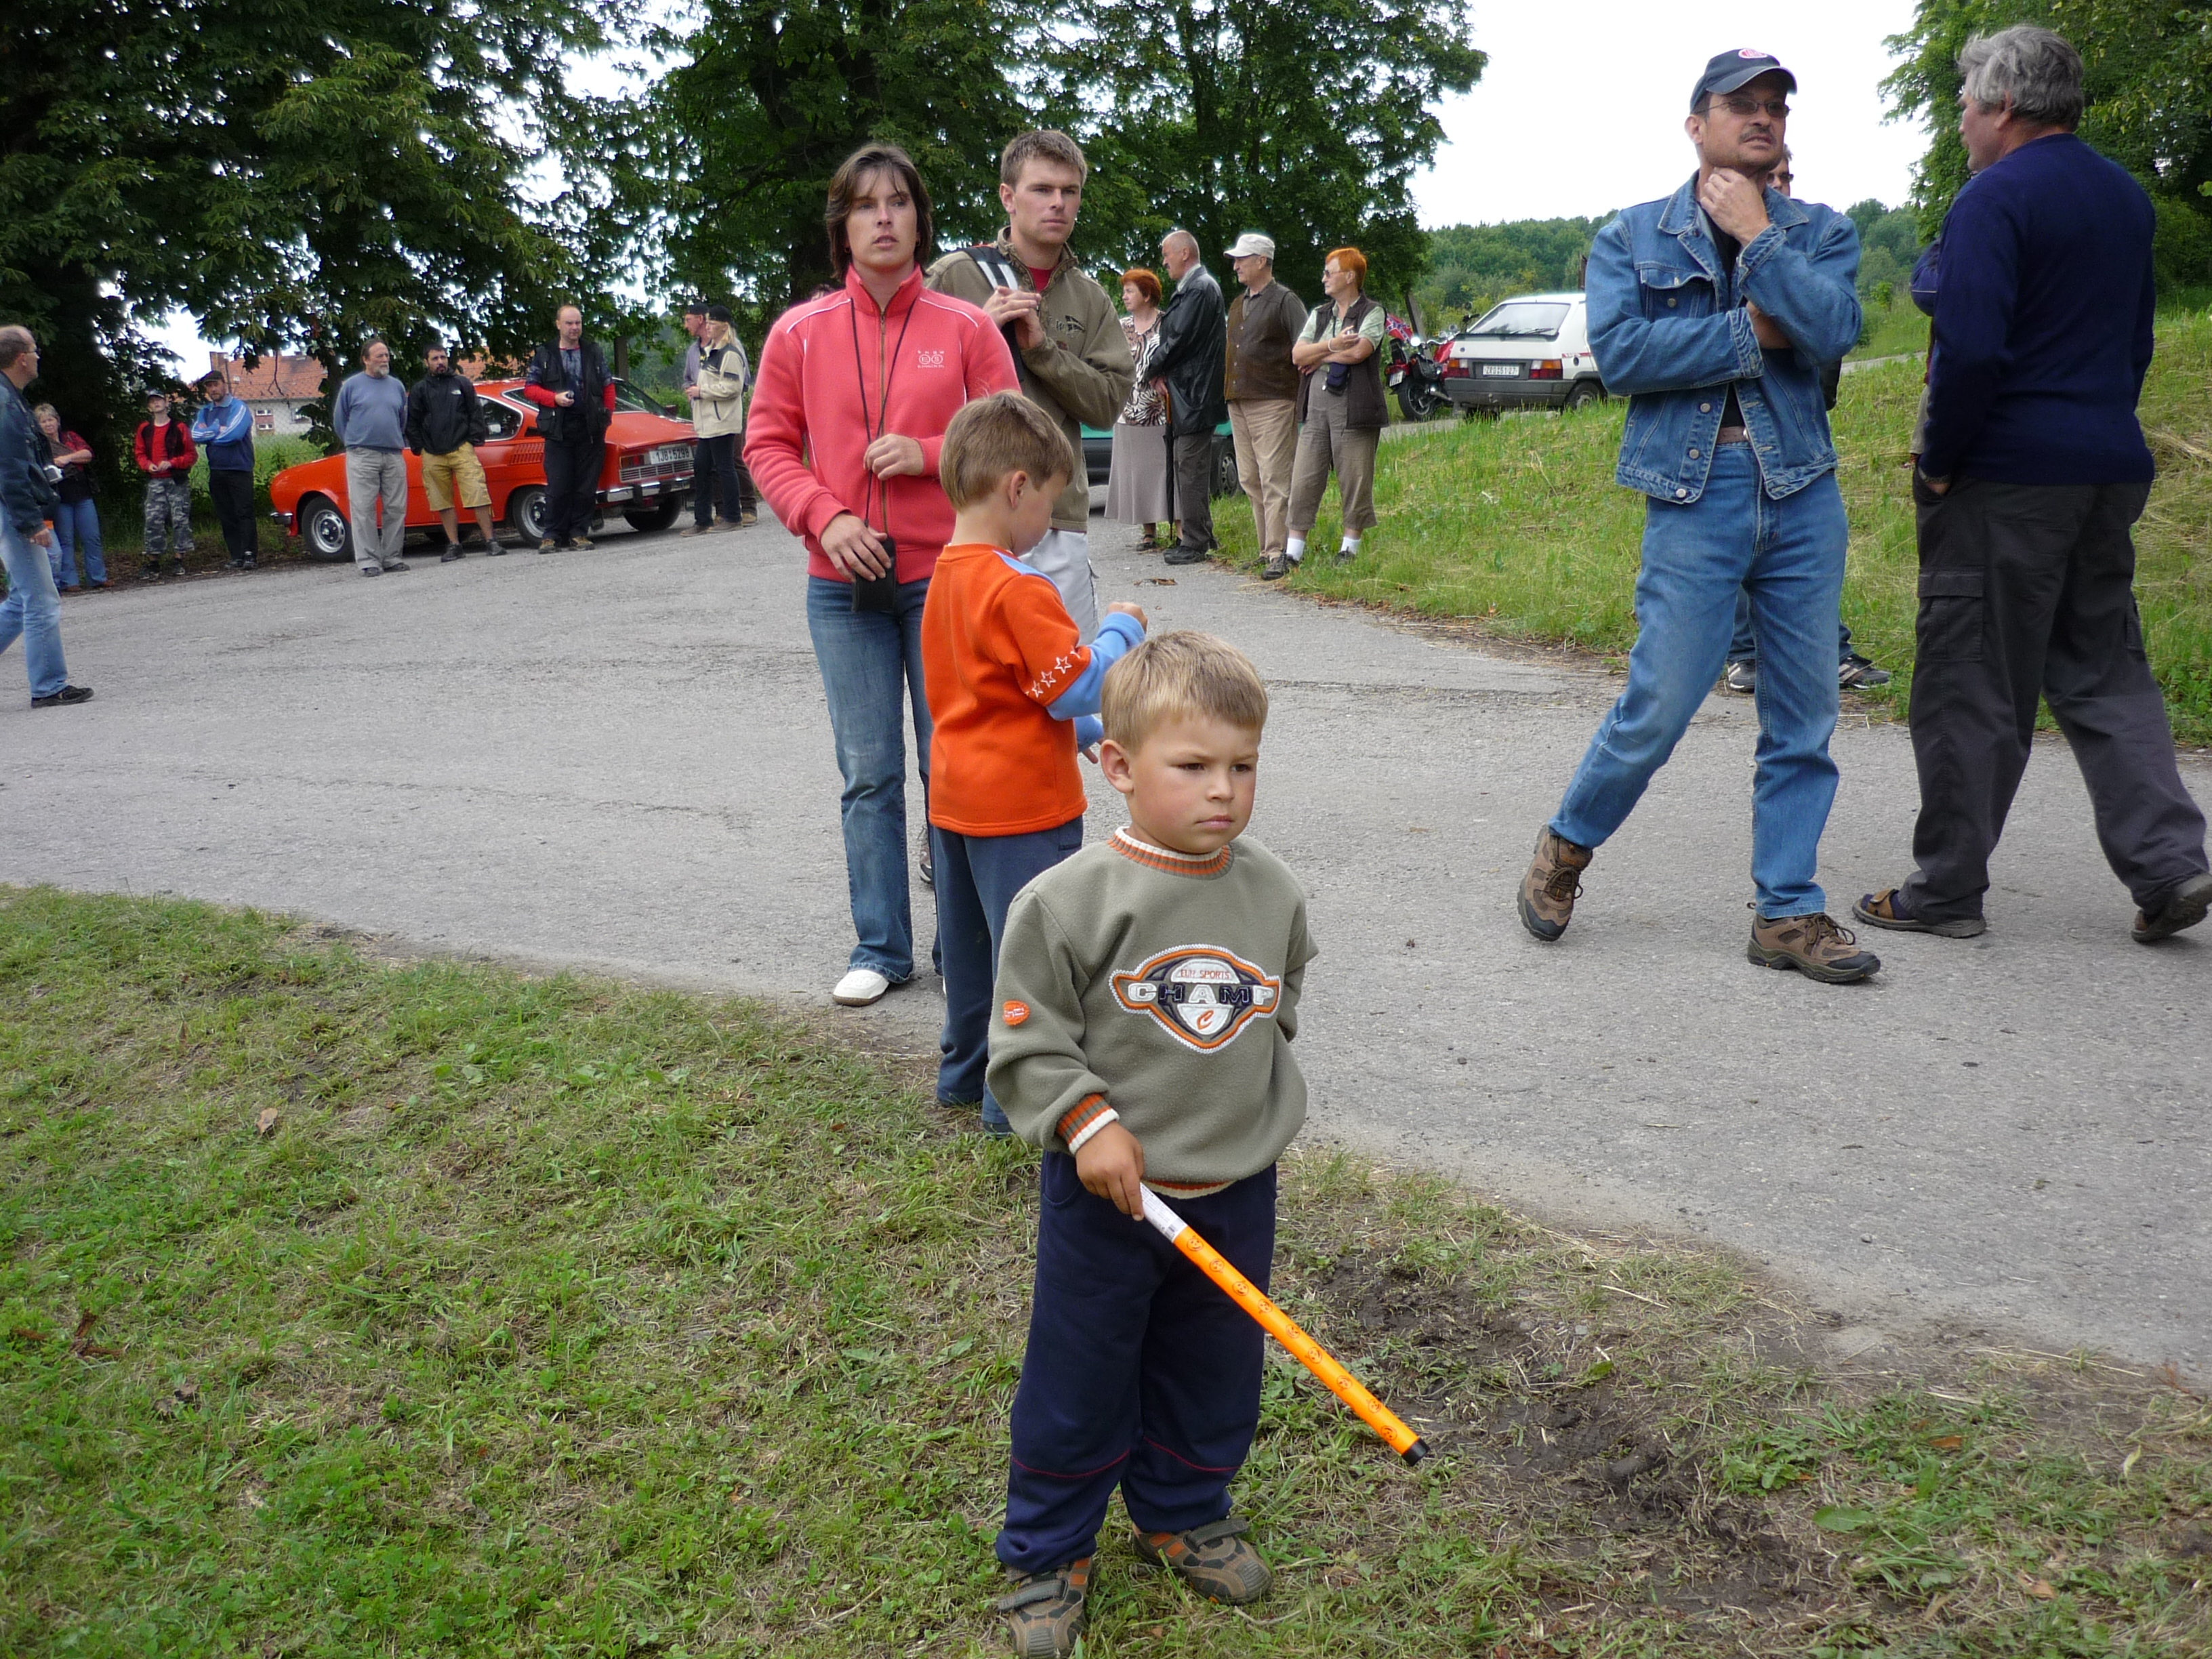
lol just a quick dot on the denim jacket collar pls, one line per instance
(1684, 219)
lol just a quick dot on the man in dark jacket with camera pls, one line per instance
(445, 423)
(1193, 340)
(32, 608)
(567, 379)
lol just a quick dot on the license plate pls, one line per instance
(668, 455)
(1502, 370)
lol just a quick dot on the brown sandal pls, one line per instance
(1881, 910)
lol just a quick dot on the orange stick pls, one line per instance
(1284, 1329)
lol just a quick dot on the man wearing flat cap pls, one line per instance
(1713, 310)
(1262, 384)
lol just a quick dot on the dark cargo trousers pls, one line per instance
(2028, 591)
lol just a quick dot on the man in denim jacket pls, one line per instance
(1713, 310)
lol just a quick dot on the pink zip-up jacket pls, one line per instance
(816, 409)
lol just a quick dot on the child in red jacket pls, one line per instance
(1010, 681)
(164, 453)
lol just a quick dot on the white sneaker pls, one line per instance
(860, 988)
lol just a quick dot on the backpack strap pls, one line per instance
(994, 265)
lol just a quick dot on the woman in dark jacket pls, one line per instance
(76, 521)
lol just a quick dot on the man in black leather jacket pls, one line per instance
(1187, 363)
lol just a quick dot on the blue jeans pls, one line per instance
(33, 610)
(76, 533)
(1139, 1374)
(1743, 647)
(1790, 553)
(870, 665)
(977, 877)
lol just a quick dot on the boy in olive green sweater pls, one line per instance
(1147, 995)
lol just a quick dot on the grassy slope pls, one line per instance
(1518, 523)
(552, 1318)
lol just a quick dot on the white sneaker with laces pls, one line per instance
(860, 988)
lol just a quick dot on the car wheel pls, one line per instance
(526, 513)
(658, 515)
(1226, 481)
(325, 529)
(1585, 393)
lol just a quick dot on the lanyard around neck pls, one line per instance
(884, 408)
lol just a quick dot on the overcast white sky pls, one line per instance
(1581, 109)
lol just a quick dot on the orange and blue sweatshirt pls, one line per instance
(1010, 680)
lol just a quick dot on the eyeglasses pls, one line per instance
(1744, 108)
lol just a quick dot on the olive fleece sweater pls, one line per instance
(1162, 991)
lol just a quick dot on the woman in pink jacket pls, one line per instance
(855, 392)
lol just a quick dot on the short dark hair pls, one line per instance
(1039, 145)
(845, 184)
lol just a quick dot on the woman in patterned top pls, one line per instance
(1137, 485)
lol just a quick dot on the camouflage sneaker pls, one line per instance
(1212, 1560)
(2185, 907)
(1552, 884)
(1813, 945)
(1044, 1611)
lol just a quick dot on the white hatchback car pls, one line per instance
(1531, 351)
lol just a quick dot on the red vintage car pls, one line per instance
(647, 476)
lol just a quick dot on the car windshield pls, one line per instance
(1517, 319)
(628, 397)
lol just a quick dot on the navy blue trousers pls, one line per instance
(977, 877)
(1141, 1372)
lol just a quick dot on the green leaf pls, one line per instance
(1834, 1518)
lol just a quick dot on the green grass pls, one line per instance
(1892, 331)
(355, 1308)
(1516, 526)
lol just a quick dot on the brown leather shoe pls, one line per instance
(1044, 1611)
(1212, 1560)
(1552, 884)
(1813, 945)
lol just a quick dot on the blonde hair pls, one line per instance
(995, 437)
(1180, 673)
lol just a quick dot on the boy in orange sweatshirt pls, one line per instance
(1010, 683)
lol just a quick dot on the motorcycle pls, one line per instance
(1416, 372)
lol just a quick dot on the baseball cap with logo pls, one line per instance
(1252, 245)
(1729, 71)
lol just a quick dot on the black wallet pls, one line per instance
(879, 593)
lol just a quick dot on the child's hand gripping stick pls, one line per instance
(1284, 1329)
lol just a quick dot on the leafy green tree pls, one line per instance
(295, 173)
(1472, 267)
(713, 180)
(1218, 115)
(1305, 121)
(2147, 84)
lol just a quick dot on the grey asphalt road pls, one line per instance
(620, 760)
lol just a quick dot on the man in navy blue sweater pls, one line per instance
(2031, 469)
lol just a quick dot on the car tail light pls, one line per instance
(1546, 370)
(1457, 368)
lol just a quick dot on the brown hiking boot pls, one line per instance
(1813, 945)
(1212, 1560)
(1552, 884)
(1044, 1611)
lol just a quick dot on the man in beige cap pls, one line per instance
(1261, 385)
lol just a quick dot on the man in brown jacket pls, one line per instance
(1066, 335)
(1262, 384)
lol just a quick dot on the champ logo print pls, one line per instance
(1201, 994)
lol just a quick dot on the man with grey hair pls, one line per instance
(1187, 363)
(1262, 384)
(2031, 469)
(370, 420)
(33, 608)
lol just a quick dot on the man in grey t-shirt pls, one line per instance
(370, 419)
